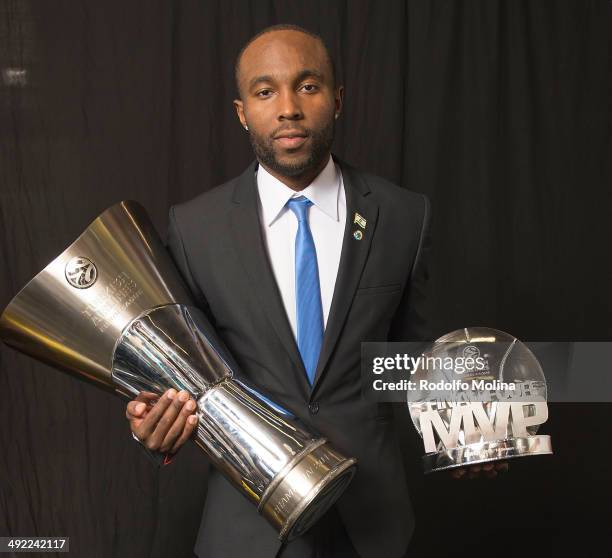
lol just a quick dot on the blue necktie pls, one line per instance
(307, 290)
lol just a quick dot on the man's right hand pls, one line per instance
(162, 423)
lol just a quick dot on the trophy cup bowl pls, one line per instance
(489, 411)
(113, 309)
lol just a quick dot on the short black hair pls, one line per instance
(284, 27)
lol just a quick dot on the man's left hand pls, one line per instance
(486, 470)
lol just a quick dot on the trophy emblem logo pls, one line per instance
(81, 272)
(471, 351)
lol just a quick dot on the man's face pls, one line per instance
(288, 101)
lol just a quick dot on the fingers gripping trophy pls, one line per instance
(113, 309)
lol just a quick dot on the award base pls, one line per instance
(483, 452)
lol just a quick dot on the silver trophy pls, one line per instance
(480, 396)
(112, 308)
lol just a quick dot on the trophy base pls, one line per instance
(306, 489)
(292, 476)
(483, 452)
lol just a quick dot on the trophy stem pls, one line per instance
(288, 473)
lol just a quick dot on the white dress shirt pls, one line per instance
(326, 217)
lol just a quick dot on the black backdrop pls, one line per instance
(498, 110)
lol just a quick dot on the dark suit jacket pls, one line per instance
(217, 243)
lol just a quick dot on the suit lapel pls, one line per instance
(352, 260)
(248, 239)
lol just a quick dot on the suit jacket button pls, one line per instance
(313, 408)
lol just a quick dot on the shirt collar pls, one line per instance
(322, 192)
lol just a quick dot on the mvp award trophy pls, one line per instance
(480, 396)
(112, 308)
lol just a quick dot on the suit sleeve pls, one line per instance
(412, 320)
(157, 458)
(176, 248)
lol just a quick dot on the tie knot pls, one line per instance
(299, 206)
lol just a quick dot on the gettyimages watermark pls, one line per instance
(471, 364)
(572, 372)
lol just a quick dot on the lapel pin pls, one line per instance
(360, 220)
(357, 235)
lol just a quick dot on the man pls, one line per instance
(296, 262)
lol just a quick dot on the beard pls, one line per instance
(318, 149)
